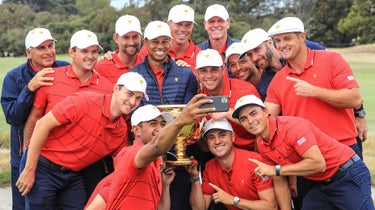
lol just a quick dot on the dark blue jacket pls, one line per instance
(16, 101)
(207, 45)
(179, 83)
(314, 45)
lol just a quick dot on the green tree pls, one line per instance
(359, 23)
(322, 24)
(86, 7)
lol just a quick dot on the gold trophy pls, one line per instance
(188, 134)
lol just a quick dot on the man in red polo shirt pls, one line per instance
(136, 181)
(229, 178)
(167, 83)
(313, 83)
(128, 37)
(294, 146)
(211, 74)
(181, 22)
(78, 76)
(78, 131)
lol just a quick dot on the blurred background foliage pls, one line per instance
(333, 23)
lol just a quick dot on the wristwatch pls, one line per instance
(360, 112)
(236, 200)
(277, 170)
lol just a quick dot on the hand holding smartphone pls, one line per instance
(219, 102)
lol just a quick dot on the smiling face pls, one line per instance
(181, 31)
(84, 59)
(290, 44)
(124, 100)
(158, 48)
(243, 68)
(43, 55)
(211, 78)
(129, 43)
(217, 28)
(261, 56)
(255, 120)
(220, 142)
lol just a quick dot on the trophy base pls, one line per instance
(182, 162)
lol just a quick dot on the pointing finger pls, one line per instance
(214, 186)
(293, 79)
(255, 161)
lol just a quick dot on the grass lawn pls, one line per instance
(361, 58)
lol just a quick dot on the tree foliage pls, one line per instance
(323, 22)
(349, 20)
(359, 23)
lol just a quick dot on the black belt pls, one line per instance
(355, 158)
(52, 165)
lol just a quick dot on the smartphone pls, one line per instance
(220, 103)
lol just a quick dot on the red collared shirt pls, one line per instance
(235, 89)
(86, 133)
(290, 137)
(66, 83)
(113, 69)
(239, 180)
(325, 69)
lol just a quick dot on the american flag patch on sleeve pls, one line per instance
(301, 141)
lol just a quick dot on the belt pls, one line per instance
(52, 165)
(355, 158)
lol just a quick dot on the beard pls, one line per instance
(131, 53)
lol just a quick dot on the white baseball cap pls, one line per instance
(216, 10)
(286, 25)
(147, 113)
(157, 28)
(181, 13)
(37, 36)
(83, 39)
(126, 24)
(253, 38)
(208, 57)
(244, 101)
(217, 124)
(133, 82)
(233, 49)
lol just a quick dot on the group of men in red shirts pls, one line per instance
(81, 116)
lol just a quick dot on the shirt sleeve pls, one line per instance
(16, 99)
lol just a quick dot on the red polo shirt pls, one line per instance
(325, 69)
(190, 55)
(86, 133)
(65, 83)
(129, 186)
(113, 69)
(290, 137)
(235, 89)
(239, 180)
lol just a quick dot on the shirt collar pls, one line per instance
(309, 63)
